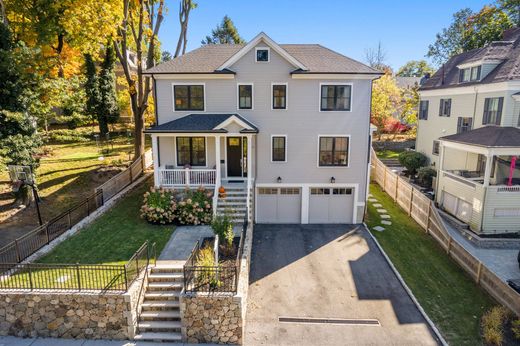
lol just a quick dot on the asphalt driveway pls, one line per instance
(327, 272)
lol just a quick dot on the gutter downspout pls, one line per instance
(474, 108)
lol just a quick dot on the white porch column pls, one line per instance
(249, 161)
(217, 160)
(487, 171)
(155, 156)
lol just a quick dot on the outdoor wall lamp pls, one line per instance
(279, 180)
(332, 180)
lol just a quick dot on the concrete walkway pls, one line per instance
(13, 341)
(502, 262)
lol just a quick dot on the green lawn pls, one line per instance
(449, 296)
(388, 154)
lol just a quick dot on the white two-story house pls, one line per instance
(469, 127)
(285, 129)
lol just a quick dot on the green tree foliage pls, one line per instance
(386, 101)
(415, 68)
(166, 56)
(485, 27)
(225, 32)
(512, 8)
(412, 161)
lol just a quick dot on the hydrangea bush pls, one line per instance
(159, 206)
(195, 208)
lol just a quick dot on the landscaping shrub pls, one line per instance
(195, 208)
(68, 136)
(492, 325)
(159, 206)
(515, 328)
(207, 276)
(425, 176)
(223, 227)
(412, 161)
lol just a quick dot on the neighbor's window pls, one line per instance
(492, 110)
(335, 97)
(464, 124)
(333, 151)
(279, 151)
(436, 147)
(279, 96)
(470, 74)
(445, 108)
(191, 151)
(262, 55)
(423, 110)
(189, 97)
(245, 96)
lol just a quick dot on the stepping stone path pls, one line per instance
(386, 222)
(378, 228)
(377, 205)
(384, 216)
(382, 211)
(372, 200)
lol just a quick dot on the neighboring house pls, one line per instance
(285, 128)
(408, 83)
(469, 118)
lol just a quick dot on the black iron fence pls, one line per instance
(76, 277)
(218, 278)
(28, 244)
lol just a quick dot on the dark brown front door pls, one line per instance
(234, 156)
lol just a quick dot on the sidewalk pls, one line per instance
(13, 341)
(502, 262)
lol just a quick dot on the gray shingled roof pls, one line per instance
(193, 123)
(507, 50)
(208, 58)
(488, 136)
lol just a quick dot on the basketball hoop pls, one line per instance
(21, 173)
(15, 186)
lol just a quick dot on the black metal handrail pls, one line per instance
(151, 252)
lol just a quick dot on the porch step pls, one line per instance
(148, 305)
(162, 295)
(172, 337)
(160, 325)
(170, 277)
(164, 268)
(164, 286)
(160, 315)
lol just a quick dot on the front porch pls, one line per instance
(479, 179)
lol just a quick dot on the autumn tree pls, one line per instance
(376, 58)
(386, 101)
(512, 8)
(415, 68)
(225, 32)
(185, 8)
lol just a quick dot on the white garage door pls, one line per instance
(278, 205)
(331, 205)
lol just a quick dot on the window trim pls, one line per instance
(500, 110)
(187, 110)
(268, 55)
(442, 103)
(176, 158)
(427, 102)
(286, 96)
(348, 151)
(459, 124)
(252, 96)
(437, 143)
(470, 69)
(285, 159)
(336, 83)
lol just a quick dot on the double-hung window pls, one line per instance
(188, 97)
(336, 97)
(191, 151)
(493, 110)
(445, 108)
(464, 124)
(279, 96)
(333, 151)
(279, 149)
(470, 74)
(245, 96)
(423, 110)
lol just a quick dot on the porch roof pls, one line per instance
(490, 136)
(203, 123)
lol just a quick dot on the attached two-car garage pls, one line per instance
(320, 205)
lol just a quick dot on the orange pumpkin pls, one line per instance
(221, 189)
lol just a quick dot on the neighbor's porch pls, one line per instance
(480, 185)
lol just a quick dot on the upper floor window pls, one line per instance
(464, 124)
(492, 110)
(262, 54)
(469, 74)
(279, 149)
(436, 147)
(335, 97)
(445, 108)
(423, 110)
(279, 96)
(245, 96)
(333, 151)
(191, 151)
(188, 97)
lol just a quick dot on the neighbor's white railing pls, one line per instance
(187, 176)
(505, 188)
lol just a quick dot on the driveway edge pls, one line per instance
(407, 289)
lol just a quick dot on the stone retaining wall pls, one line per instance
(390, 145)
(82, 315)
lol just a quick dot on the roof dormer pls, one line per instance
(476, 70)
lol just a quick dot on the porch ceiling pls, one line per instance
(204, 123)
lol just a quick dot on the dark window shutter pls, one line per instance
(449, 106)
(441, 103)
(470, 124)
(478, 72)
(485, 116)
(426, 110)
(461, 75)
(459, 125)
(499, 113)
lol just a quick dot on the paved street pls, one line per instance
(12, 341)
(327, 272)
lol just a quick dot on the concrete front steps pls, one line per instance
(160, 318)
(234, 204)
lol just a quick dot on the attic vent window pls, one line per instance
(262, 54)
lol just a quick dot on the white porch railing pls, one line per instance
(187, 177)
(505, 188)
